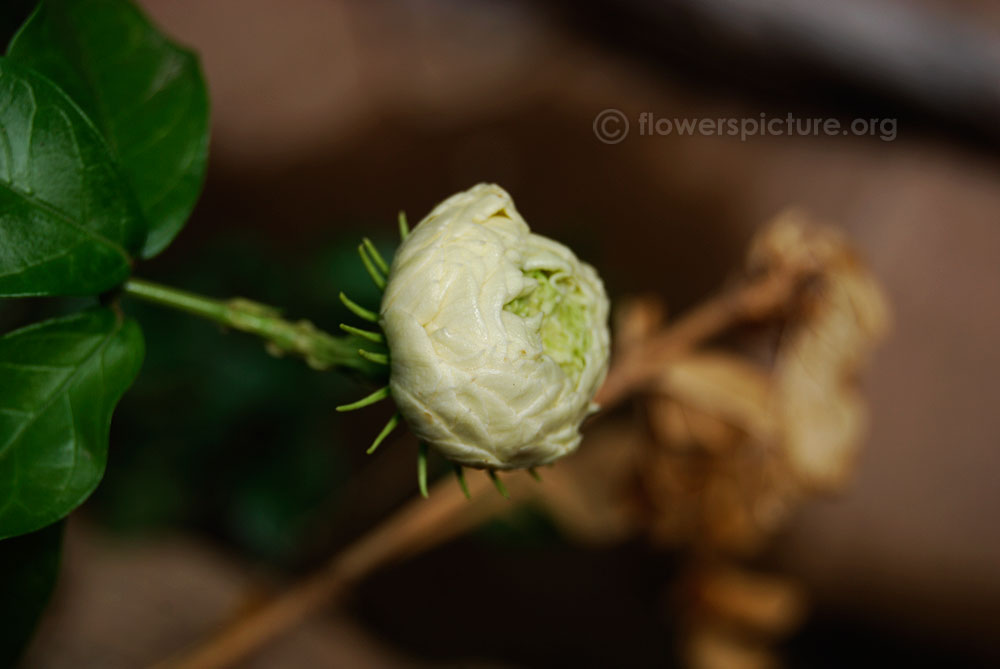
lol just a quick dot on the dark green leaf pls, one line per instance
(61, 380)
(68, 221)
(145, 93)
(29, 566)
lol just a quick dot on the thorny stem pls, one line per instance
(320, 349)
(423, 524)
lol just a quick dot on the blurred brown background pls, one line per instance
(330, 116)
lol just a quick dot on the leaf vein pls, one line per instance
(100, 346)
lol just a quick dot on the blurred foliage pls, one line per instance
(527, 526)
(29, 564)
(221, 436)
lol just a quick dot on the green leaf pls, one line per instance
(61, 379)
(68, 221)
(29, 566)
(146, 94)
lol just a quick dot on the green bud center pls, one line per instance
(565, 316)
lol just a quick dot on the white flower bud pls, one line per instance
(498, 337)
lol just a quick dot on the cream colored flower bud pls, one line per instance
(498, 337)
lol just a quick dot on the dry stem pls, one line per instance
(639, 366)
(416, 527)
(422, 524)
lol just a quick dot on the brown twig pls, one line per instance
(640, 365)
(422, 524)
(417, 526)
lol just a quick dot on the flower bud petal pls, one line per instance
(498, 337)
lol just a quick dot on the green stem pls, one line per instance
(320, 349)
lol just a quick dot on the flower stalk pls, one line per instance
(320, 349)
